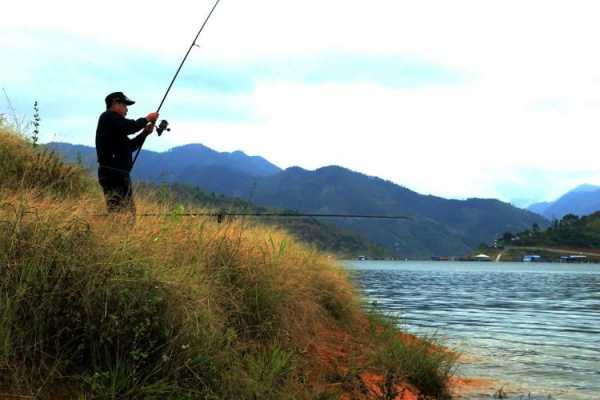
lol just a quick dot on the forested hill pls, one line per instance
(571, 232)
(439, 226)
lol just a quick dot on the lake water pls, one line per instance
(534, 328)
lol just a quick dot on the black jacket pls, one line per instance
(113, 147)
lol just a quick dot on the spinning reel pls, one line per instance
(163, 126)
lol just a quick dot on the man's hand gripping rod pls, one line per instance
(164, 125)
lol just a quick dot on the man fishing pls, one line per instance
(114, 149)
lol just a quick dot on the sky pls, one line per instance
(459, 99)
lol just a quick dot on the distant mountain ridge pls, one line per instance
(438, 226)
(582, 200)
(540, 207)
(177, 162)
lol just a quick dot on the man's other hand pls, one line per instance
(152, 117)
(148, 129)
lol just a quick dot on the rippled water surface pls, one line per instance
(534, 328)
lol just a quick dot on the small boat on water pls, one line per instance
(577, 258)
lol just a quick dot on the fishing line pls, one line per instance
(164, 125)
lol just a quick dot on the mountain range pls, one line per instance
(583, 200)
(437, 226)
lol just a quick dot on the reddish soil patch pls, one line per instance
(345, 362)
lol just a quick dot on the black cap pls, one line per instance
(118, 96)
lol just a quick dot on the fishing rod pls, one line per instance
(221, 215)
(164, 125)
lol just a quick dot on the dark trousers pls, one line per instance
(118, 192)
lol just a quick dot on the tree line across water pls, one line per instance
(571, 231)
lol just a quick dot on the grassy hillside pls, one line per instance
(102, 307)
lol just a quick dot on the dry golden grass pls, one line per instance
(243, 299)
(97, 306)
(22, 167)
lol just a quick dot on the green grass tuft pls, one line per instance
(423, 362)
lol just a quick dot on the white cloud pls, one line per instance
(533, 101)
(421, 138)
